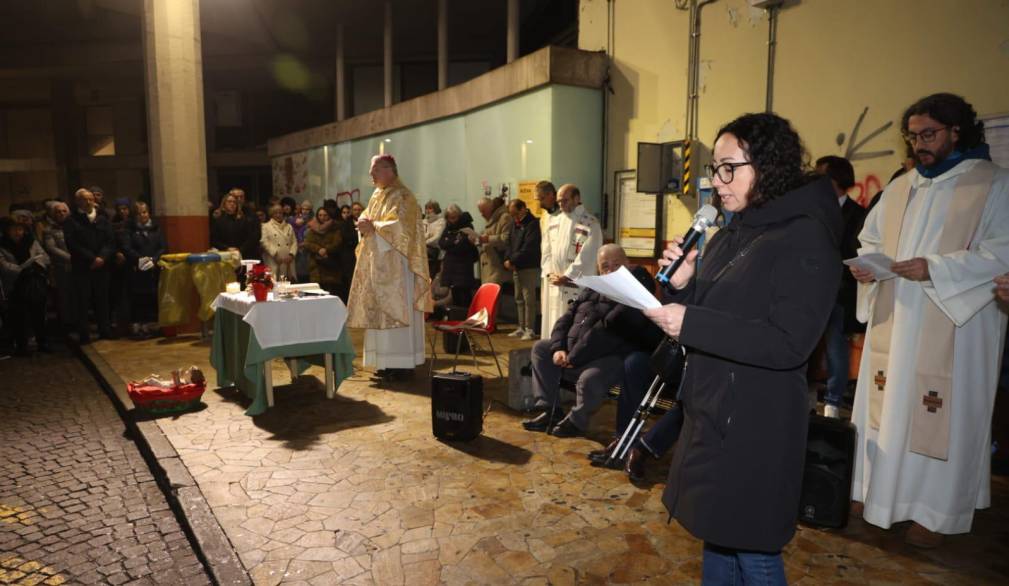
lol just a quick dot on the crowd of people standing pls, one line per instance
(85, 258)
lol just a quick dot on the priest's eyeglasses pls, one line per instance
(926, 136)
(725, 172)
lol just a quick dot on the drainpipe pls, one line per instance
(694, 66)
(772, 44)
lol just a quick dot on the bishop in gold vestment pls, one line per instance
(391, 288)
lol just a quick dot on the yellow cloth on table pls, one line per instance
(210, 278)
(175, 286)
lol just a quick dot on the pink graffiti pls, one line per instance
(348, 197)
(867, 188)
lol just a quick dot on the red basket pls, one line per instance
(161, 400)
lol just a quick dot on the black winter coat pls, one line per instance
(141, 241)
(524, 244)
(460, 254)
(227, 231)
(852, 217)
(87, 240)
(736, 473)
(596, 326)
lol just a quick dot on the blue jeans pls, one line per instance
(728, 567)
(837, 357)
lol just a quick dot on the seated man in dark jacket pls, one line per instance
(588, 344)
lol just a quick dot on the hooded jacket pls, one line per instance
(524, 244)
(749, 329)
(460, 253)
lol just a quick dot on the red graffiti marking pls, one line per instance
(348, 197)
(867, 188)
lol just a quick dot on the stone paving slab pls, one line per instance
(78, 503)
(355, 490)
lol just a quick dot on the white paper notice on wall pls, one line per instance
(996, 134)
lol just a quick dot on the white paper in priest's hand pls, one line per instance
(622, 287)
(875, 262)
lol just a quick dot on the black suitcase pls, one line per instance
(456, 406)
(449, 340)
(826, 481)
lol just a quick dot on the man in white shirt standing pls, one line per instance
(570, 243)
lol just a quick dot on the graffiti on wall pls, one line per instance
(867, 188)
(346, 198)
(854, 151)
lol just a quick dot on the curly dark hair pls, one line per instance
(775, 149)
(951, 110)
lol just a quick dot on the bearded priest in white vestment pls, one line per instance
(930, 363)
(569, 247)
(391, 288)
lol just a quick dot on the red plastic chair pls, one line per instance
(486, 299)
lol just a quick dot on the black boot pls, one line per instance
(543, 421)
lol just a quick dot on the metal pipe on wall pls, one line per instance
(694, 65)
(772, 44)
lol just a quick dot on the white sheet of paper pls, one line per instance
(621, 286)
(875, 262)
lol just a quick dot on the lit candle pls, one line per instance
(233, 287)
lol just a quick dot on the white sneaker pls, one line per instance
(518, 332)
(831, 411)
(528, 335)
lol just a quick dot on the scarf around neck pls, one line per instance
(981, 151)
(320, 227)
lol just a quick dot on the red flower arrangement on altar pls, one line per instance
(261, 281)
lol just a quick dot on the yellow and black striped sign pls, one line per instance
(686, 167)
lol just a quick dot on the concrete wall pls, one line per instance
(552, 133)
(834, 60)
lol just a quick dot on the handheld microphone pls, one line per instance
(703, 220)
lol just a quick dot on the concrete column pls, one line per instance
(442, 44)
(513, 30)
(173, 71)
(341, 76)
(388, 53)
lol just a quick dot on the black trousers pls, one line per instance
(91, 287)
(462, 295)
(27, 316)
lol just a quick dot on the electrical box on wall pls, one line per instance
(660, 168)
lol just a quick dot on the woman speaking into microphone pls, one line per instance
(749, 320)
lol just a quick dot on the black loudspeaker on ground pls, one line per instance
(826, 480)
(456, 406)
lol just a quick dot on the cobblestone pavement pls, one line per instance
(355, 490)
(78, 503)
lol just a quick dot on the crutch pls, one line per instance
(665, 361)
(633, 428)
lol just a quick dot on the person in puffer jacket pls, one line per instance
(587, 345)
